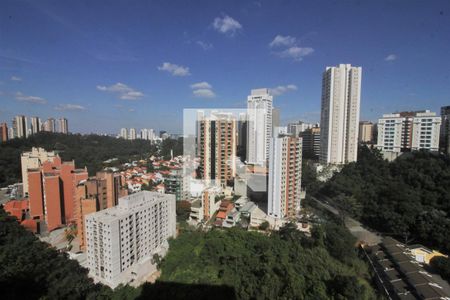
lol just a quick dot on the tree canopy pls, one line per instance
(87, 150)
(284, 265)
(408, 198)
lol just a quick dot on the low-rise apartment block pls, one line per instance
(408, 131)
(122, 240)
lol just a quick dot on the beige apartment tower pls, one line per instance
(365, 132)
(32, 160)
(341, 93)
(63, 125)
(217, 148)
(285, 172)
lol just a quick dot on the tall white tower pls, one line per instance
(259, 126)
(132, 135)
(341, 94)
(20, 126)
(63, 125)
(35, 125)
(124, 133)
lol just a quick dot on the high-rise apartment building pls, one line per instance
(89, 194)
(51, 190)
(406, 131)
(311, 142)
(114, 188)
(285, 165)
(177, 184)
(122, 240)
(296, 128)
(11, 132)
(132, 134)
(151, 134)
(124, 133)
(32, 160)
(63, 126)
(49, 125)
(20, 126)
(341, 93)
(144, 134)
(365, 132)
(35, 125)
(445, 129)
(259, 126)
(4, 132)
(95, 194)
(242, 136)
(217, 150)
(426, 131)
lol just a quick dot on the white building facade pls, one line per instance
(341, 94)
(408, 131)
(35, 125)
(426, 131)
(284, 174)
(296, 128)
(132, 135)
(124, 133)
(20, 126)
(122, 240)
(259, 126)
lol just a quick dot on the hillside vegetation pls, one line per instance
(87, 150)
(408, 198)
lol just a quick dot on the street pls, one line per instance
(355, 227)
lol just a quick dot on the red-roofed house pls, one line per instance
(17, 208)
(31, 225)
(225, 207)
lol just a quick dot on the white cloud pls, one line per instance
(281, 89)
(287, 47)
(201, 85)
(123, 91)
(204, 45)
(174, 69)
(280, 40)
(226, 25)
(15, 78)
(131, 110)
(30, 99)
(295, 52)
(204, 93)
(202, 90)
(72, 107)
(390, 57)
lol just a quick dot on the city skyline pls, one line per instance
(105, 73)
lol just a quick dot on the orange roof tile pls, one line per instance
(30, 225)
(221, 215)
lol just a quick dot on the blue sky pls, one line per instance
(111, 64)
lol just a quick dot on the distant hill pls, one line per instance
(87, 150)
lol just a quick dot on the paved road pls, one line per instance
(355, 227)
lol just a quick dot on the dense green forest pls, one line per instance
(31, 269)
(218, 264)
(87, 150)
(408, 198)
(285, 265)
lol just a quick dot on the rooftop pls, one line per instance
(130, 203)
